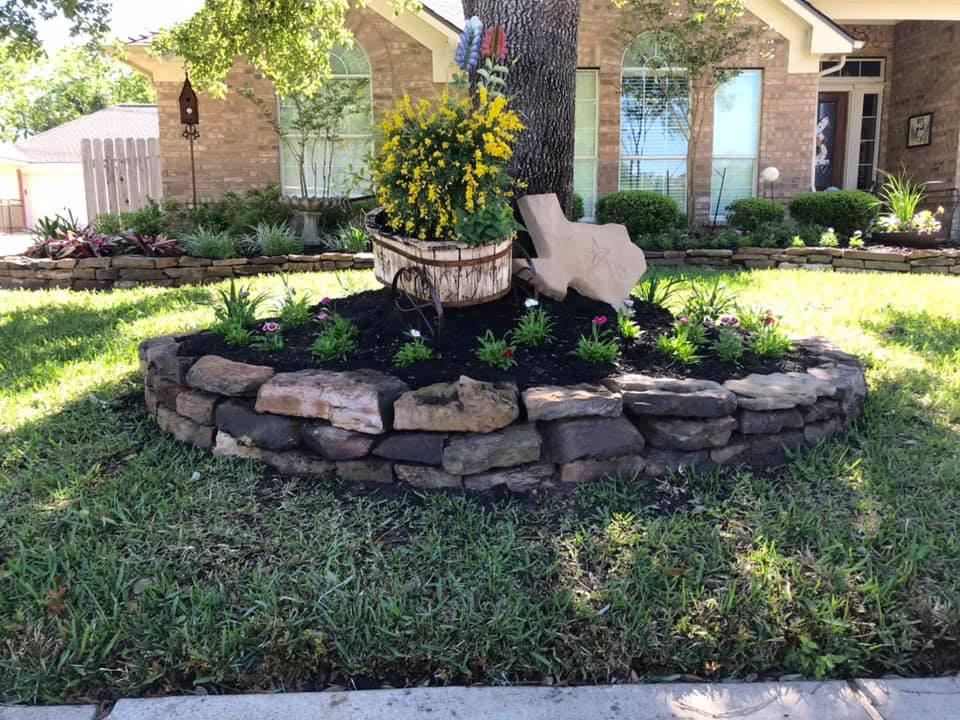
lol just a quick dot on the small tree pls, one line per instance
(698, 40)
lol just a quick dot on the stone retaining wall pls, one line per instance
(814, 258)
(127, 271)
(369, 427)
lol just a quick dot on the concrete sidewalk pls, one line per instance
(892, 699)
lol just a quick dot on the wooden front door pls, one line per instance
(831, 140)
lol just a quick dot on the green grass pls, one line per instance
(132, 565)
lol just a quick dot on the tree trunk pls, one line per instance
(542, 37)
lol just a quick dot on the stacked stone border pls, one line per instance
(128, 271)
(369, 427)
(814, 258)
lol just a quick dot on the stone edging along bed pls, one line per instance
(814, 258)
(369, 427)
(127, 271)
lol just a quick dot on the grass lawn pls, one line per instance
(131, 565)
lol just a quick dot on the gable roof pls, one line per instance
(62, 143)
(450, 11)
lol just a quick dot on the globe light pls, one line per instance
(770, 174)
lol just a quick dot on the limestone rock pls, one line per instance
(826, 349)
(226, 377)
(664, 462)
(171, 367)
(184, 429)
(270, 432)
(334, 443)
(779, 391)
(227, 446)
(815, 433)
(580, 471)
(598, 438)
(680, 434)
(768, 451)
(413, 447)
(552, 402)
(645, 395)
(464, 406)
(523, 478)
(197, 405)
(850, 383)
(360, 400)
(366, 471)
(150, 350)
(758, 423)
(474, 453)
(823, 410)
(167, 392)
(424, 477)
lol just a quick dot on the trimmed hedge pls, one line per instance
(749, 214)
(643, 212)
(576, 211)
(846, 211)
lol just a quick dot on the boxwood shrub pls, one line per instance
(846, 211)
(749, 214)
(643, 212)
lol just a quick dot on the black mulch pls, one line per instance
(383, 327)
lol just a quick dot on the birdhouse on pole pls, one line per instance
(189, 112)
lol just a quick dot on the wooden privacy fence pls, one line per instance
(119, 174)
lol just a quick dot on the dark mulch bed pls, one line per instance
(383, 328)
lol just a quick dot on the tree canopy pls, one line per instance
(18, 22)
(36, 96)
(289, 41)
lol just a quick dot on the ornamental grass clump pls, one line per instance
(441, 173)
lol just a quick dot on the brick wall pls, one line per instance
(238, 147)
(926, 78)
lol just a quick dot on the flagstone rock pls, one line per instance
(197, 405)
(758, 423)
(333, 443)
(645, 395)
(769, 451)
(580, 471)
(779, 391)
(369, 470)
(682, 434)
(269, 432)
(172, 367)
(295, 462)
(184, 429)
(466, 405)
(229, 446)
(424, 477)
(225, 377)
(412, 447)
(815, 433)
(553, 402)
(360, 400)
(474, 453)
(517, 479)
(150, 350)
(850, 383)
(824, 409)
(596, 438)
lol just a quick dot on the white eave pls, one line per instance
(811, 34)
(888, 11)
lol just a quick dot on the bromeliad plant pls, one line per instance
(599, 347)
(441, 173)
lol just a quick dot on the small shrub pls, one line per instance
(857, 240)
(709, 299)
(829, 239)
(641, 211)
(576, 208)
(772, 235)
(234, 333)
(598, 347)
(751, 319)
(272, 240)
(682, 344)
(845, 210)
(237, 307)
(749, 214)
(728, 345)
(148, 220)
(495, 353)
(271, 340)
(533, 329)
(413, 351)
(337, 341)
(293, 310)
(797, 242)
(352, 238)
(210, 244)
(109, 224)
(770, 342)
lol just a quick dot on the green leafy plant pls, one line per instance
(234, 333)
(271, 340)
(642, 212)
(657, 288)
(209, 244)
(769, 340)
(708, 300)
(845, 210)
(797, 242)
(626, 325)
(856, 241)
(337, 341)
(829, 239)
(493, 223)
(293, 309)
(680, 345)
(748, 214)
(534, 328)
(109, 223)
(237, 308)
(599, 347)
(272, 240)
(413, 351)
(902, 196)
(352, 238)
(729, 346)
(497, 353)
(576, 208)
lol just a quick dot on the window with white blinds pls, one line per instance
(736, 140)
(585, 144)
(653, 128)
(346, 155)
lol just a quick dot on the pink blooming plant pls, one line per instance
(271, 327)
(600, 320)
(323, 317)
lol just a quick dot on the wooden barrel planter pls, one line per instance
(461, 275)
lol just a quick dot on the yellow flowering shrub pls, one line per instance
(443, 164)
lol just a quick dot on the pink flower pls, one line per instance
(508, 353)
(325, 301)
(729, 320)
(769, 320)
(600, 320)
(322, 316)
(271, 327)
(684, 320)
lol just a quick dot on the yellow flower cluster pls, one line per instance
(442, 161)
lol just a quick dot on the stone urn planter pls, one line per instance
(457, 274)
(310, 209)
(907, 239)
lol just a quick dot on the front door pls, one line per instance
(831, 148)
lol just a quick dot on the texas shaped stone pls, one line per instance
(598, 261)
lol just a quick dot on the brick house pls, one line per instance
(828, 102)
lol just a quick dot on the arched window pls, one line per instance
(333, 160)
(653, 126)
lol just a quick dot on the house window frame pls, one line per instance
(720, 212)
(370, 136)
(595, 158)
